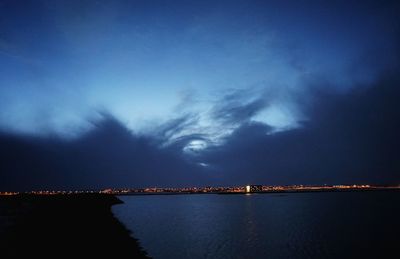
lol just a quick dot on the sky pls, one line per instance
(97, 94)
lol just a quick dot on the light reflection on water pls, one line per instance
(298, 225)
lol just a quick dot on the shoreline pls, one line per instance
(257, 192)
(81, 225)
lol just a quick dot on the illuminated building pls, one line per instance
(253, 188)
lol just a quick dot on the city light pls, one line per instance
(211, 190)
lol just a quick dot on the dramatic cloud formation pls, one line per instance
(108, 155)
(61, 61)
(198, 93)
(349, 138)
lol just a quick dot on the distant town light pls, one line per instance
(220, 189)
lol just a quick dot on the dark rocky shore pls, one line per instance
(74, 226)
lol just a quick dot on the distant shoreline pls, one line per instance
(210, 190)
(261, 192)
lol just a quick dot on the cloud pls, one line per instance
(235, 109)
(350, 138)
(306, 105)
(109, 155)
(176, 127)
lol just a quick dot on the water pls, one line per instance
(296, 225)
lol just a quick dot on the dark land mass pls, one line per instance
(67, 226)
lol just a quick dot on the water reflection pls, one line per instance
(302, 225)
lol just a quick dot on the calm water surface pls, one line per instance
(296, 225)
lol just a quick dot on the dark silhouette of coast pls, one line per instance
(71, 226)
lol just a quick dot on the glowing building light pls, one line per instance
(247, 188)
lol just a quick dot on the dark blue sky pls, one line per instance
(198, 92)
